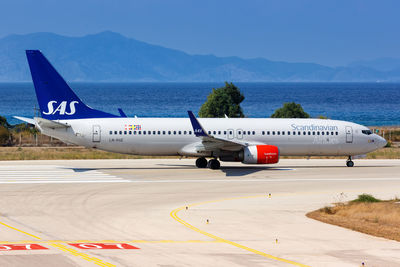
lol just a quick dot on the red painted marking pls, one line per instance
(102, 246)
(267, 154)
(7, 247)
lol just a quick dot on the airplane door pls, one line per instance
(96, 133)
(239, 133)
(349, 134)
(230, 133)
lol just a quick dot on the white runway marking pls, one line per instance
(265, 180)
(41, 174)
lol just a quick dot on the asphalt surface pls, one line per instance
(166, 212)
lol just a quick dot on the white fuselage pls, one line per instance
(174, 136)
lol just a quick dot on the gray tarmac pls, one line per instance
(166, 212)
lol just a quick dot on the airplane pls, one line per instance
(247, 140)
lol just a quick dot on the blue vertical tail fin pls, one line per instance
(56, 99)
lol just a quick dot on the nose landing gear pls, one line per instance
(349, 162)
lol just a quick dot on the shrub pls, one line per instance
(366, 198)
(4, 135)
(290, 110)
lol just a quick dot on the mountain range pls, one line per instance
(109, 56)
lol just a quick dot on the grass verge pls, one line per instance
(60, 153)
(365, 214)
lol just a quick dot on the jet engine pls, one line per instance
(258, 154)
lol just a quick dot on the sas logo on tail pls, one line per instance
(61, 108)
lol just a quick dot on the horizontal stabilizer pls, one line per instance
(50, 124)
(28, 120)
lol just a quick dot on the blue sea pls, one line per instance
(364, 103)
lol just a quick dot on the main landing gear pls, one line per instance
(349, 162)
(212, 163)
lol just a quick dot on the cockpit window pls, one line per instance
(367, 132)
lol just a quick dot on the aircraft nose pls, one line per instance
(381, 141)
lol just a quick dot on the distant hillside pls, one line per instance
(109, 56)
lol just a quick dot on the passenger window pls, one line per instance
(268, 132)
(288, 133)
(337, 133)
(144, 132)
(179, 132)
(134, 132)
(317, 133)
(115, 132)
(309, 133)
(331, 133)
(298, 133)
(130, 132)
(169, 132)
(322, 133)
(224, 132)
(263, 133)
(125, 132)
(244, 132)
(139, 132)
(110, 132)
(294, 133)
(163, 132)
(209, 132)
(273, 132)
(214, 132)
(190, 132)
(230, 132)
(154, 132)
(254, 132)
(219, 132)
(149, 132)
(304, 133)
(313, 133)
(278, 132)
(174, 132)
(327, 133)
(283, 132)
(248, 133)
(120, 132)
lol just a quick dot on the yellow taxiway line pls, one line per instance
(174, 215)
(65, 249)
(107, 241)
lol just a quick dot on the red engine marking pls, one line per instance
(267, 154)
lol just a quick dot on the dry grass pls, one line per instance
(385, 153)
(379, 219)
(49, 153)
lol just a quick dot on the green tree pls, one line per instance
(221, 101)
(4, 135)
(3, 122)
(290, 110)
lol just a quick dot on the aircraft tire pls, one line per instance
(214, 164)
(201, 162)
(349, 163)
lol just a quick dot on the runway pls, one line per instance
(166, 212)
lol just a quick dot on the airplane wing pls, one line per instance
(210, 142)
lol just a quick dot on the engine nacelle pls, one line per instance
(261, 154)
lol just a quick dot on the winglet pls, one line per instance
(197, 128)
(122, 113)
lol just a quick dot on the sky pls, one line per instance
(327, 32)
